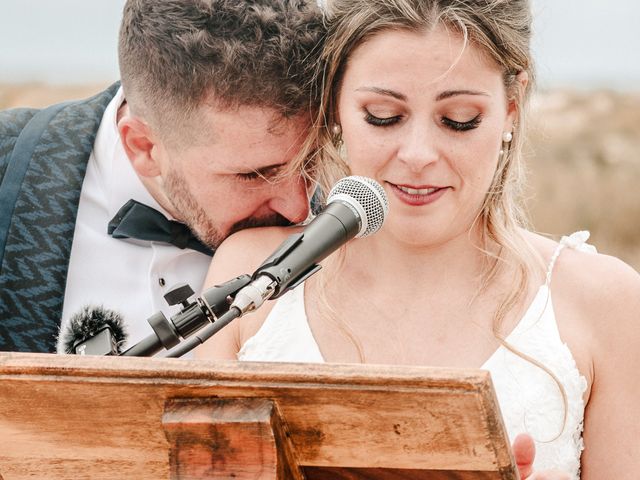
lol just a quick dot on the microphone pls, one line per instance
(356, 207)
(94, 330)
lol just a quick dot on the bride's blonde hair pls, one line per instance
(501, 29)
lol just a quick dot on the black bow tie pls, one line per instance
(135, 220)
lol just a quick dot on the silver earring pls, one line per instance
(336, 130)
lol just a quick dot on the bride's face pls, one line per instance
(424, 116)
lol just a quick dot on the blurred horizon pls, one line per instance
(74, 42)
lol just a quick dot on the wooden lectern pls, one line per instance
(71, 417)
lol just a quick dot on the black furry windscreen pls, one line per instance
(87, 323)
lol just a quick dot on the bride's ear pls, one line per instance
(516, 96)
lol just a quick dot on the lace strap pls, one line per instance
(576, 241)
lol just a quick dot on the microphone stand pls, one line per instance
(247, 299)
(211, 308)
(206, 333)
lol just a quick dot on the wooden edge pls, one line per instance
(174, 371)
(497, 431)
(288, 465)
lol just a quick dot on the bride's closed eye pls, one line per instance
(381, 121)
(462, 126)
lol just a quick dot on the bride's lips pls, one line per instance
(417, 195)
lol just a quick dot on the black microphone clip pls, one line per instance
(212, 304)
(280, 273)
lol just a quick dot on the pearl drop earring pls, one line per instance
(336, 130)
(507, 137)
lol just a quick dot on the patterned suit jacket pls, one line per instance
(43, 161)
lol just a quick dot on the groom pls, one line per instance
(113, 200)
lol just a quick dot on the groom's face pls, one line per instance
(230, 175)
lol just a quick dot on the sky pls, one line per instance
(579, 43)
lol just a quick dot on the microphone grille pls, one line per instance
(367, 196)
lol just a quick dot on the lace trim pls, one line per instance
(576, 241)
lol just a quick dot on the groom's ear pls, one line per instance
(140, 144)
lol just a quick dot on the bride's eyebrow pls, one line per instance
(383, 91)
(452, 93)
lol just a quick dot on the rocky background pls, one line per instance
(583, 157)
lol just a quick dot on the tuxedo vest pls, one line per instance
(43, 161)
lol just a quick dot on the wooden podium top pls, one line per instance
(102, 417)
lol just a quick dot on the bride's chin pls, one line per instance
(409, 234)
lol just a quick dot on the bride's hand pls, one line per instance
(524, 452)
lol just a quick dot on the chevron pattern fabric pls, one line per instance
(34, 269)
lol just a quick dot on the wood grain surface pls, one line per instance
(102, 417)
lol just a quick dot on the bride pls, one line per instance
(428, 97)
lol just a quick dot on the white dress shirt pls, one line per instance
(127, 276)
